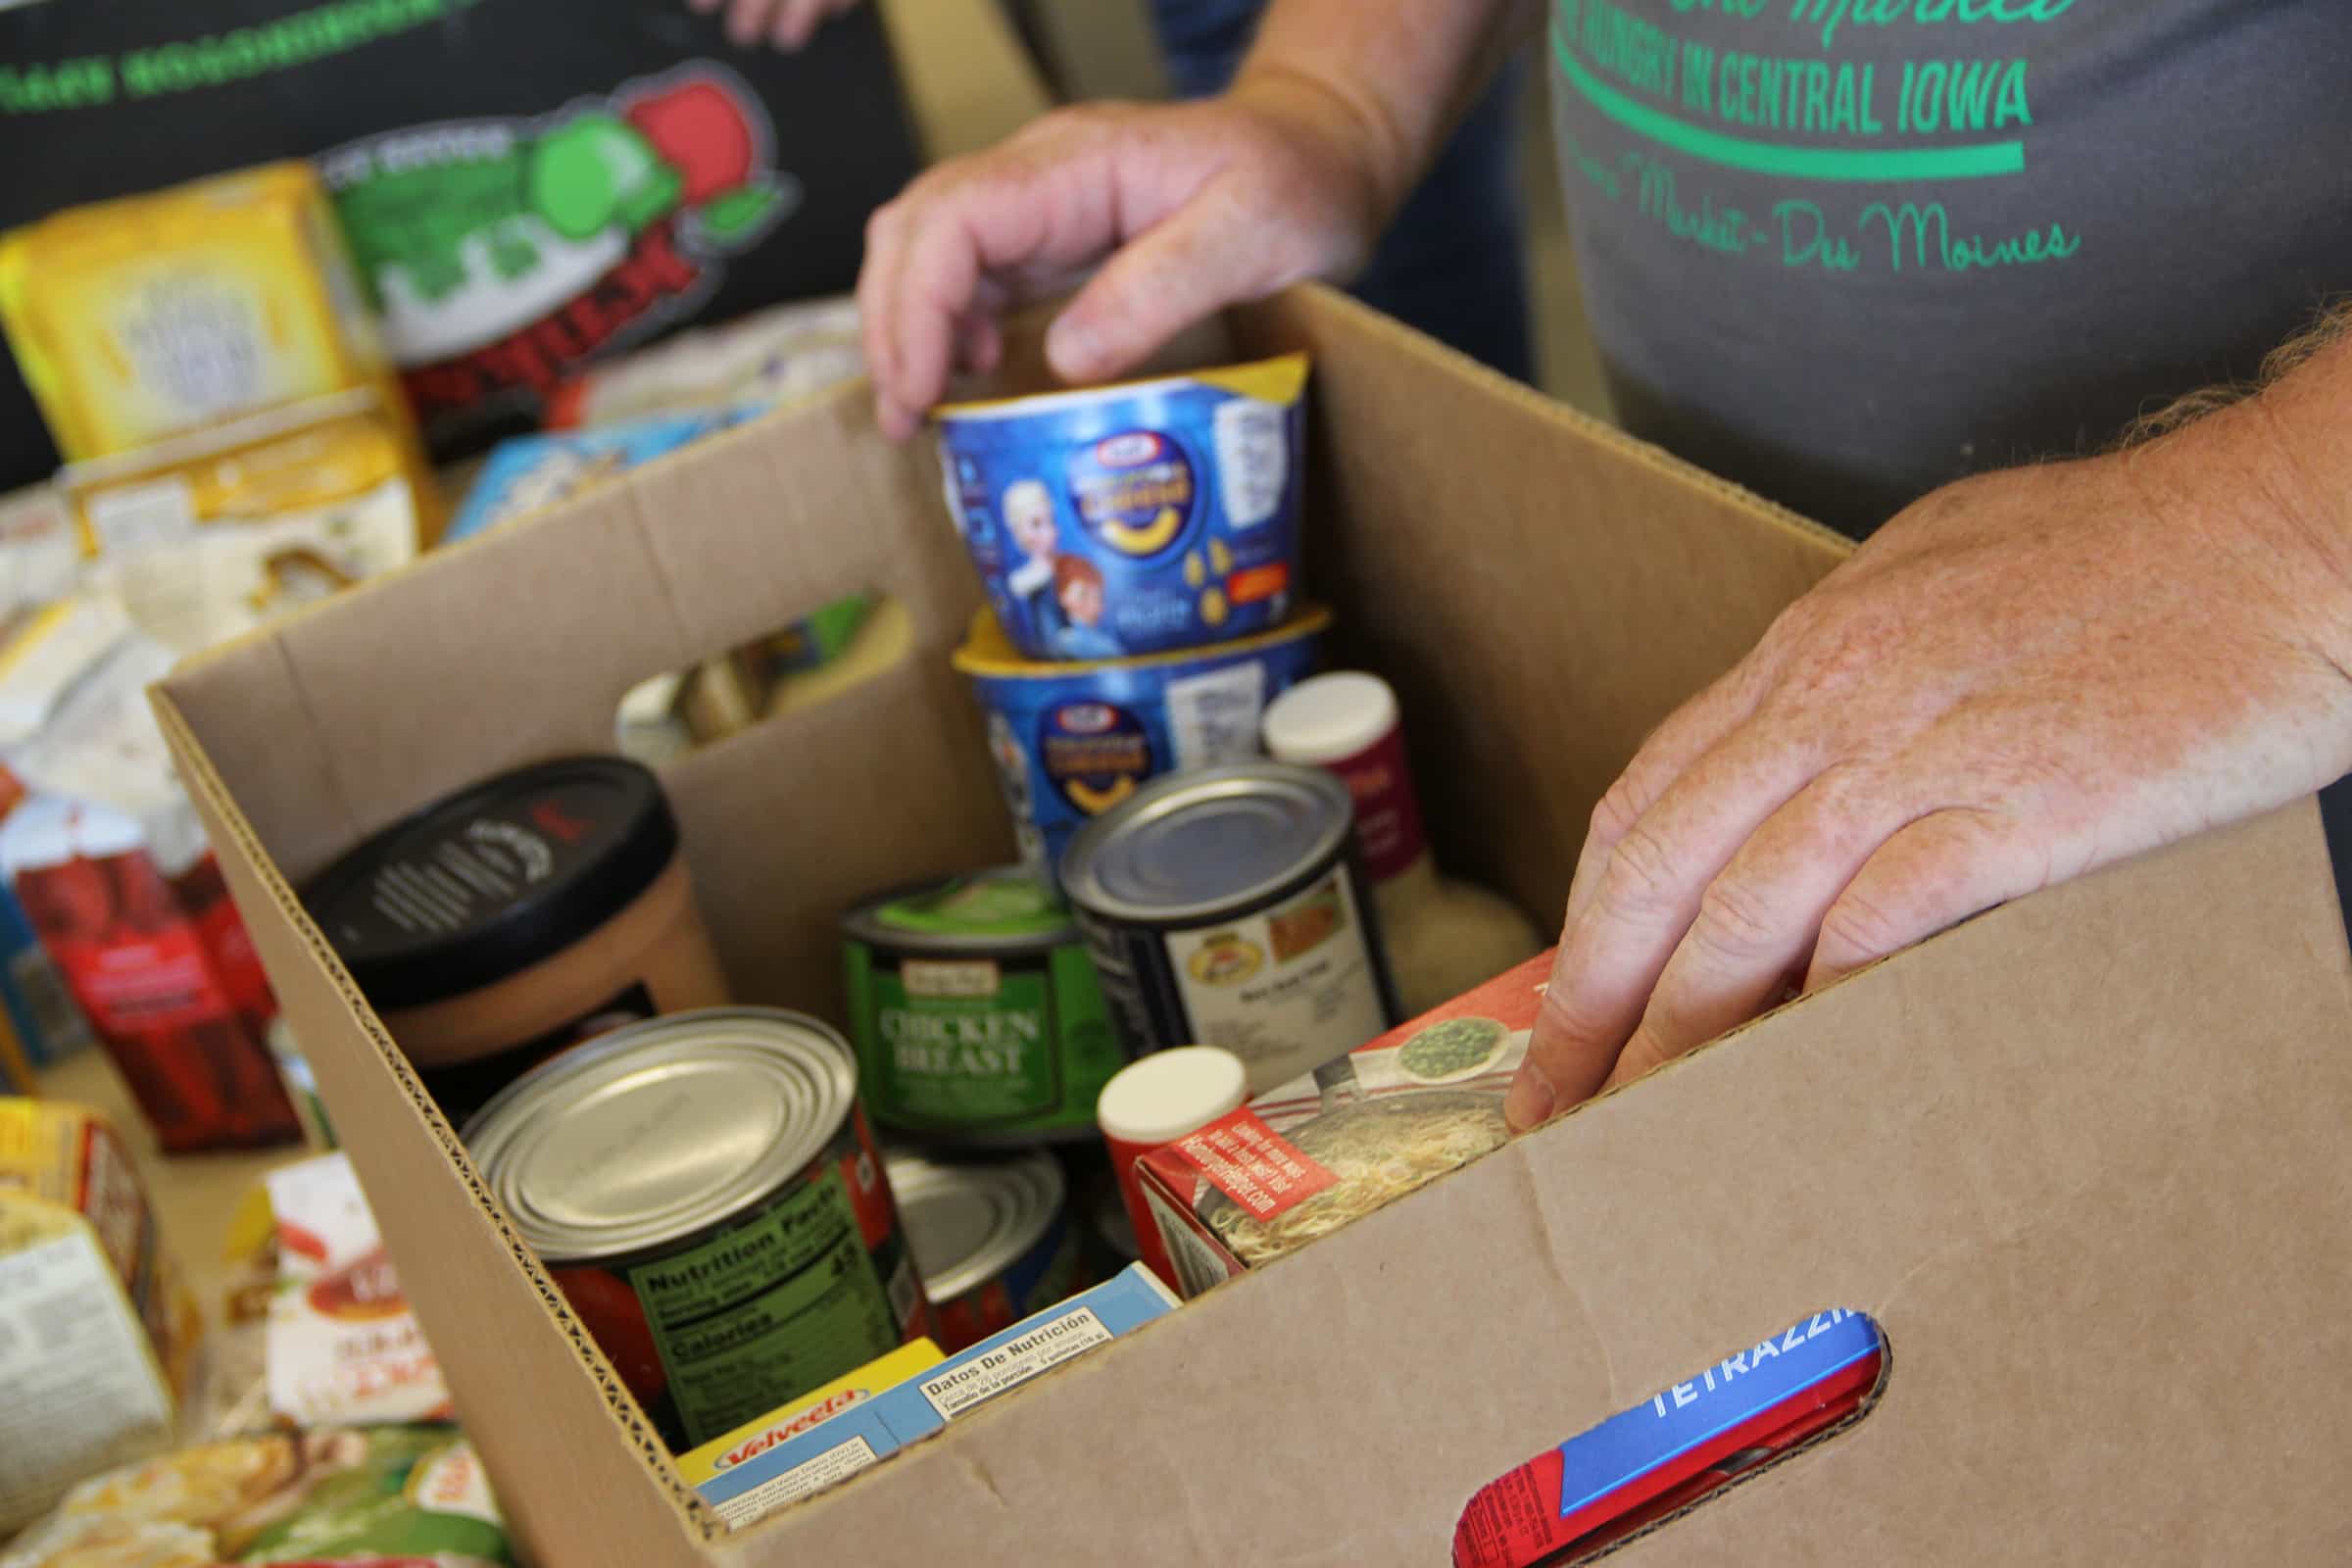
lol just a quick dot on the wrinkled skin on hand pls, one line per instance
(2022, 677)
(1188, 208)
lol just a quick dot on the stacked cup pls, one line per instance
(1138, 546)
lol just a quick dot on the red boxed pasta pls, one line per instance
(1309, 1156)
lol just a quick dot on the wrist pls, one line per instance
(1342, 124)
(2276, 472)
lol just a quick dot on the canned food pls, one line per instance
(706, 1192)
(992, 1241)
(976, 1012)
(1229, 907)
(1072, 741)
(1128, 519)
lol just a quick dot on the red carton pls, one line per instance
(1469, 1047)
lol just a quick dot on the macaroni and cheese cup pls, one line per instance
(1135, 519)
(1072, 741)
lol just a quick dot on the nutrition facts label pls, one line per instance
(1214, 717)
(1252, 459)
(766, 1311)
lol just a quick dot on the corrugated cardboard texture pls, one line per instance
(2081, 1158)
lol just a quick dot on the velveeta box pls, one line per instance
(1464, 1050)
(867, 1431)
(724, 1454)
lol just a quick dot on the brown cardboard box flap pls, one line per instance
(2080, 1158)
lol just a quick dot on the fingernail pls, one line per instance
(1072, 348)
(1530, 1102)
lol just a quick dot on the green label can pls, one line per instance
(705, 1193)
(975, 1013)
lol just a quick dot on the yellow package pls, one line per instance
(209, 535)
(721, 1455)
(71, 1156)
(135, 321)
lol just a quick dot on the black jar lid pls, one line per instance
(494, 879)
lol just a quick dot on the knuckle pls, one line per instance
(1863, 924)
(1738, 920)
(1641, 875)
(1615, 813)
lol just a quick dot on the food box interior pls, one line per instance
(2041, 1152)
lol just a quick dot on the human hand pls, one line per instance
(2021, 677)
(786, 24)
(1196, 206)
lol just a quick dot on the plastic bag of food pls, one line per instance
(343, 1345)
(389, 1493)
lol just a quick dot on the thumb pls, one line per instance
(1176, 272)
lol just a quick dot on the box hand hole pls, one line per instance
(807, 661)
(1644, 1466)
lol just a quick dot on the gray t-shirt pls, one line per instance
(1844, 251)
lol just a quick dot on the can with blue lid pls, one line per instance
(1230, 907)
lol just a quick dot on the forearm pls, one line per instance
(1406, 70)
(2269, 467)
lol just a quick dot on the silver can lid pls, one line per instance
(968, 1221)
(647, 1135)
(1197, 847)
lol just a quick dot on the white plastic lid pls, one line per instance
(1170, 1093)
(1329, 719)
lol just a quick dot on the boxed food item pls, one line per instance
(716, 1459)
(866, 1432)
(529, 474)
(97, 1334)
(1570, 1503)
(1310, 1155)
(138, 320)
(208, 535)
(2044, 1151)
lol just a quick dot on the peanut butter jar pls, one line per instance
(515, 919)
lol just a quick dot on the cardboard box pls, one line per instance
(2082, 1160)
